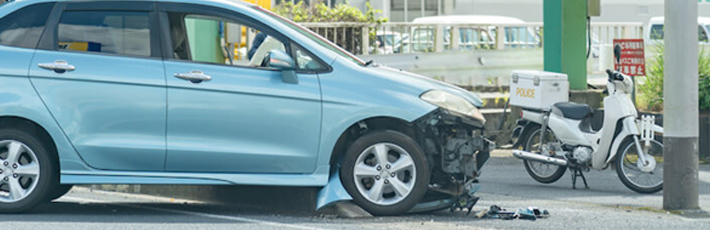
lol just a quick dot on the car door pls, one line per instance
(226, 113)
(99, 71)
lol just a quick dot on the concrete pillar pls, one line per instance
(448, 7)
(386, 8)
(680, 97)
(438, 7)
(565, 31)
(423, 7)
(406, 10)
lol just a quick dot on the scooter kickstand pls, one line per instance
(578, 173)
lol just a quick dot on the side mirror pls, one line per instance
(278, 59)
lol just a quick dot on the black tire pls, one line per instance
(59, 191)
(48, 170)
(622, 157)
(365, 142)
(532, 138)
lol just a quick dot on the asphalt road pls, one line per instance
(606, 205)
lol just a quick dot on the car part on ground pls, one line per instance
(496, 212)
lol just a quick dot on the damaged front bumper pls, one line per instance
(456, 149)
(453, 143)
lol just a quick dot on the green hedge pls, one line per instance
(652, 88)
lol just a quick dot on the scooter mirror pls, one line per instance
(617, 53)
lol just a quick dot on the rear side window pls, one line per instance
(24, 27)
(657, 33)
(110, 32)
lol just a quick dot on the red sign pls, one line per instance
(633, 60)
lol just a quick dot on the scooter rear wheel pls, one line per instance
(541, 172)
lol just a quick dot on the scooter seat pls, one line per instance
(573, 110)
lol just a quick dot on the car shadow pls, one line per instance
(140, 212)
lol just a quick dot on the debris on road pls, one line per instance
(496, 212)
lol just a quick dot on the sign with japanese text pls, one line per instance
(633, 59)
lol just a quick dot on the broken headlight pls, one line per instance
(452, 103)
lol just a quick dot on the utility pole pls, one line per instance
(680, 97)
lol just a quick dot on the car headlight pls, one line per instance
(453, 103)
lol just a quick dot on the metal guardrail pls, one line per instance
(402, 37)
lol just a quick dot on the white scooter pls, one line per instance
(562, 137)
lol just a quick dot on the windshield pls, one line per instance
(313, 36)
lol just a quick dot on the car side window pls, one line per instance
(656, 32)
(109, 32)
(305, 61)
(210, 39)
(24, 27)
(702, 36)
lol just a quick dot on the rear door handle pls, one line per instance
(59, 66)
(194, 76)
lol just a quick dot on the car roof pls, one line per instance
(659, 20)
(472, 19)
(230, 2)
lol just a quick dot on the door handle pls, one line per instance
(194, 76)
(59, 66)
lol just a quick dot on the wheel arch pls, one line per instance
(40, 132)
(369, 124)
(22, 123)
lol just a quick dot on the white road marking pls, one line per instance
(199, 214)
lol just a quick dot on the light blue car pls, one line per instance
(140, 92)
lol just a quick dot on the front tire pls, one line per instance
(59, 191)
(638, 179)
(385, 172)
(28, 171)
(541, 172)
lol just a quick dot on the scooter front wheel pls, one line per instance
(541, 172)
(639, 176)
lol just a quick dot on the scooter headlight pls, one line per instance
(453, 103)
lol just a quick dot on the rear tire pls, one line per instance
(29, 171)
(385, 172)
(541, 172)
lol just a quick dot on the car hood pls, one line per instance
(425, 83)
